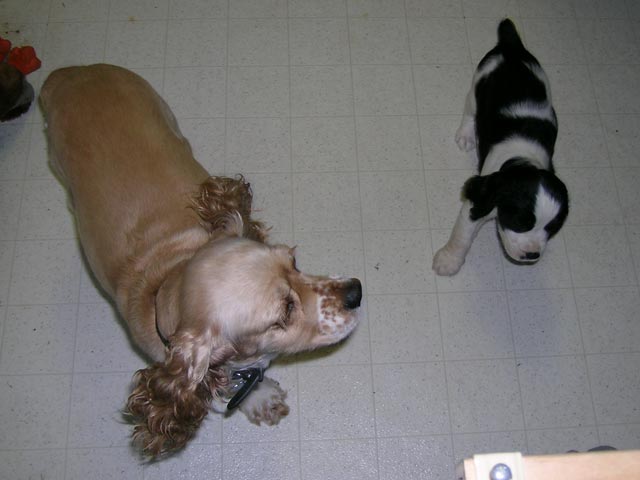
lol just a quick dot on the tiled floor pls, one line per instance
(342, 113)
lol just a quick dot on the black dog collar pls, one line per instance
(242, 382)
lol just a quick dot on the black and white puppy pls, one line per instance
(16, 94)
(510, 120)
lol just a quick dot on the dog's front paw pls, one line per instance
(266, 404)
(466, 138)
(447, 263)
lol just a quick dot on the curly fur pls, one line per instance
(172, 398)
(219, 198)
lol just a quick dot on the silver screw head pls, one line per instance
(500, 472)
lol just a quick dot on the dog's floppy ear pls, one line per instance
(482, 192)
(170, 399)
(224, 203)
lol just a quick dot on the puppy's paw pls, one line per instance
(465, 138)
(447, 263)
(266, 404)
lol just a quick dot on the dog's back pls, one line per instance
(513, 96)
(111, 136)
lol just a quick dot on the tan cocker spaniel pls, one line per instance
(201, 292)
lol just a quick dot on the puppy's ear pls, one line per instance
(482, 192)
(224, 204)
(170, 399)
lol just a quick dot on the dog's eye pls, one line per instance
(293, 264)
(283, 321)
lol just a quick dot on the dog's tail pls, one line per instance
(509, 41)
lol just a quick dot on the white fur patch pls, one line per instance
(528, 109)
(515, 147)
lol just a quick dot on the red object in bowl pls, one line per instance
(24, 59)
(5, 47)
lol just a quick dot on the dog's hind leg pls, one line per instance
(466, 133)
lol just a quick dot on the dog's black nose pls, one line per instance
(532, 255)
(353, 294)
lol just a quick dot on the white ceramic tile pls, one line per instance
(259, 145)
(317, 8)
(545, 322)
(438, 40)
(34, 411)
(138, 10)
(482, 267)
(272, 199)
(561, 399)
(270, 460)
(627, 181)
(622, 133)
(554, 41)
(78, 10)
(97, 420)
(6, 261)
(196, 462)
(323, 41)
(14, 139)
(427, 458)
(581, 142)
(258, 42)
(258, 8)
(439, 148)
(388, 143)
(609, 318)
(198, 9)
(21, 11)
(335, 402)
(483, 36)
(324, 90)
(615, 384)
(398, 262)
(444, 188)
(490, 8)
(45, 272)
(411, 399)
(206, 137)
(551, 271)
(44, 212)
(599, 256)
(326, 201)
(475, 325)
(76, 43)
(614, 87)
(572, 89)
(393, 200)
(49, 464)
(547, 9)
(103, 343)
(433, 8)
(210, 431)
(38, 339)
(622, 437)
(258, 91)
(404, 328)
(195, 92)
(210, 36)
(376, 41)
(441, 89)
(38, 162)
(10, 199)
(383, 90)
(321, 144)
(484, 396)
(609, 41)
(560, 440)
(376, 8)
(585, 207)
(339, 460)
(103, 464)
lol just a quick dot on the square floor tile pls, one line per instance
(623, 139)
(441, 89)
(484, 396)
(383, 90)
(475, 325)
(103, 464)
(545, 322)
(195, 92)
(44, 212)
(321, 91)
(388, 143)
(438, 40)
(49, 464)
(322, 41)
(136, 44)
(559, 400)
(560, 440)
(335, 402)
(609, 318)
(261, 145)
(581, 142)
(379, 41)
(404, 328)
(615, 383)
(323, 144)
(258, 92)
(411, 399)
(428, 458)
(196, 462)
(339, 460)
(393, 200)
(258, 42)
(585, 208)
(210, 37)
